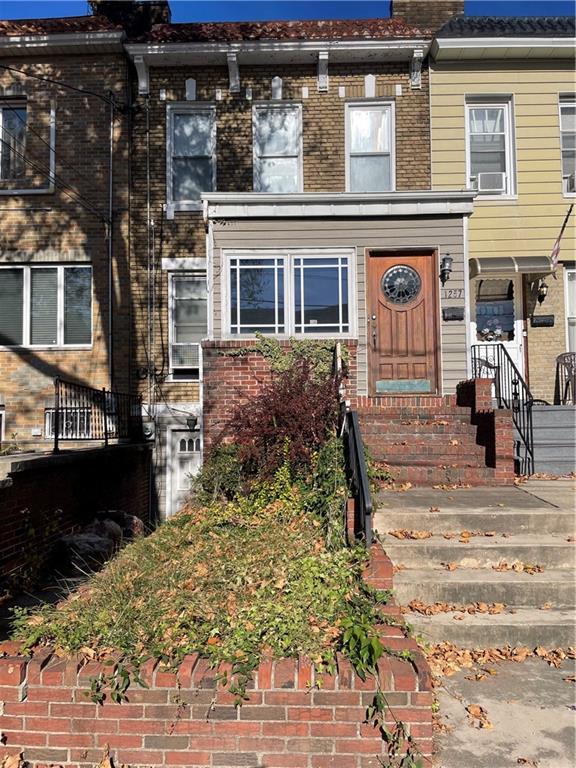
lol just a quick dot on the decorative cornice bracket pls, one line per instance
(323, 71)
(143, 75)
(233, 72)
(416, 68)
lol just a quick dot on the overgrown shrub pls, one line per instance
(220, 477)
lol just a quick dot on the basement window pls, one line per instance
(44, 306)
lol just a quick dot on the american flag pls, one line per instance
(556, 249)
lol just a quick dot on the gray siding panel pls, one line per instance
(444, 233)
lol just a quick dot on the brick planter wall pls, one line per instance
(186, 719)
(46, 497)
(234, 372)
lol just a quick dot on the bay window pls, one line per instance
(370, 147)
(277, 132)
(489, 142)
(191, 154)
(289, 293)
(45, 306)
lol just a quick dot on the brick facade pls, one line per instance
(427, 13)
(187, 719)
(56, 227)
(45, 498)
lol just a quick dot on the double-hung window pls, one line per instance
(191, 154)
(568, 143)
(285, 293)
(188, 324)
(490, 147)
(570, 295)
(12, 139)
(370, 147)
(46, 306)
(277, 132)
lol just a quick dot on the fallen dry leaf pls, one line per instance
(13, 761)
(478, 717)
(527, 762)
(404, 533)
(449, 566)
(518, 567)
(546, 607)
(571, 679)
(434, 509)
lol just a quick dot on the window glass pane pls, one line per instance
(257, 297)
(191, 177)
(487, 162)
(495, 310)
(44, 306)
(568, 163)
(189, 313)
(370, 174)
(12, 146)
(317, 293)
(77, 305)
(568, 117)
(487, 120)
(277, 175)
(193, 134)
(572, 334)
(370, 130)
(571, 292)
(277, 131)
(11, 299)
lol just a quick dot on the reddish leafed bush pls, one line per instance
(290, 419)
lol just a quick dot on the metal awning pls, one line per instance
(509, 265)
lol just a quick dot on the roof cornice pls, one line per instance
(77, 42)
(464, 48)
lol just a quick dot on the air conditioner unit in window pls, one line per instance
(185, 355)
(492, 182)
(571, 183)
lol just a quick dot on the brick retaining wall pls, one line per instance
(186, 719)
(46, 497)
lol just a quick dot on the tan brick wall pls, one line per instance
(545, 344)
(323, 116)
(57, 223)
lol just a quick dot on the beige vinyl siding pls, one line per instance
(442, 233)
(529, 224)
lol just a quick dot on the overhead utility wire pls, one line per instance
(61, 83)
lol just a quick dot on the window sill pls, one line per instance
(183, 206)
(170, 380)
(495, 198)
(287, 337)
(46, 347)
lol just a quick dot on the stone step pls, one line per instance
(444, 475)
(469, 585)
(501, 520)
(428, 430)
(553, 466)
(527, 626)
(440, 413)
(546, 550)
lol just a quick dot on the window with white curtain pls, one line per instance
(568, 143)
(370, 147)
(489, 140)
(191, 153)
(12, 139)
(45, 306)
(277, 132)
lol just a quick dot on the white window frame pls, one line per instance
(26, 306)
(564, 100)
(17, 104)
(494, 102)
(287, 255)
(190, 108)
(256, 157)
(197, 275)
(371, 104)
(568, 270)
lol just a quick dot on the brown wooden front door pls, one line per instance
(402, 322)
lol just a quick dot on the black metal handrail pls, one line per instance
(357, 472)
(84, 413)
(492, 361)
(566, 379)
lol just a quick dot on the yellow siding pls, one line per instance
(529, 224)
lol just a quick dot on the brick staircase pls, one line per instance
(430, 440)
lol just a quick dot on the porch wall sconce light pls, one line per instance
(445, 268)
(192, 423)
(542, 291)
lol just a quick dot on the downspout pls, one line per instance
(110, 239)
(148, 256)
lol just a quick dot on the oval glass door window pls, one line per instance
(401, 284)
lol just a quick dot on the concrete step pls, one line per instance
(413, 426)
(553, 466)
(546, 550)
(527, 626)
(499, 519)
(554, 416)
(417, 442)
(469, 585)
(445, 475)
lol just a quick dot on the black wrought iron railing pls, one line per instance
(357, 471)
(566, 379)
(492, 361)
(84, 413)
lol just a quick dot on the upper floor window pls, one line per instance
(46, 306)
(489, 140)
(12, 139)
(568, 141)
(191, 153)
(188, 324)
(370, 147)
(277, 148)
(570, 296)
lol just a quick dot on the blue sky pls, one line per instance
(238, 10)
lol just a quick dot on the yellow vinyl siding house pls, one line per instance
(502, 123)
